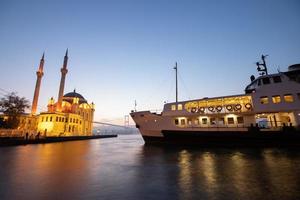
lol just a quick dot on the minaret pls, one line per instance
(39, 75)
(64, 71)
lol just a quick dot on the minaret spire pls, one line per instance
(64, 71)
(39, 75)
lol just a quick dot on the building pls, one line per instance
(71, 115)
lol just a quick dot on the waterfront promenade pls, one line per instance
(19, 138)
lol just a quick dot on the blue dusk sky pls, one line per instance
(121, 51)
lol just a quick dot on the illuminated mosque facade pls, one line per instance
(70, 115)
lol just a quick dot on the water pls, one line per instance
(123, 168)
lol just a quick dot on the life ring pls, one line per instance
(248, 106)
(202, 109)
(219, 108)
(211, 109)
(229, 107)
(238, 107)
(194, 109)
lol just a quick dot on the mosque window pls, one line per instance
(179, 106)
(173, 107)
(288, 98)
(70, 120)
(276, 99)
(51, 119)
(76, 121)
(298, 95)
(42, 119)
(66, 119)
(46, 119)
(69, 128)
(264, 100)
(80, 122)
(56, 119)
(196, 121)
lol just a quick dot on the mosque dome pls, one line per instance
(71, 95)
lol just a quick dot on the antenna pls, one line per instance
(135, 105)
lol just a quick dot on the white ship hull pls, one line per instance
(268, 114)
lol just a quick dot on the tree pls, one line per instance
(13, 106)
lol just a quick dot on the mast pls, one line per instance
(264, 69)
(176, 82)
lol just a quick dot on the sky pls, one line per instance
(122, 51)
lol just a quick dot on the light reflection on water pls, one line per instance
(123, 168)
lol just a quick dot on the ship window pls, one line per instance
(179, 106)
(298, 95)
(277, 79)
(196, 121)
(189, 122)
(230, 120)
(240, 120)
(288, 98)
(204, 120)
(221, 121)
(276, 99)
(212, 121)
(259, 82)
(182, 121)
(173, 107)
(266, 81)
(264, 100)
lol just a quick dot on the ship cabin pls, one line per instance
(229, 111)
(270, 102)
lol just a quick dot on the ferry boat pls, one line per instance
(267, 114)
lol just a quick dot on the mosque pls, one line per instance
(70, 115)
